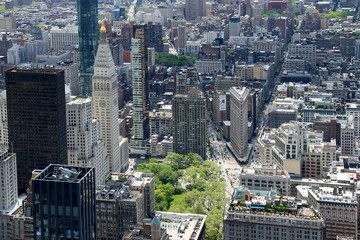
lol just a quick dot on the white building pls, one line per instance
(105, 97)
(85, 147)
(265, 177)
(63, 38)
(13, 55)
(209, 66)
(71, 71)
(353, 109)
(124, 152)
(4, 140)
(8, 176)
(239, 120)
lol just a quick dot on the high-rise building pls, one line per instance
(71, 70)
(63, 199)
(239, 120)
(36, 119)
(189, 128)
(140, 88)
(3, 120)
(195, 9)
(85, 147)
(105, 97)
(87, 12)
(8, 177)
(234, 26)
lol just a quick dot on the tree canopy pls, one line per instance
(170, 60)
(188, 184)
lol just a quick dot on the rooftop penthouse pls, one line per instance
(284, 207)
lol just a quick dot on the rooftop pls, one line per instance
(284, 206)
(182, 225)
(63, 173)
(335, 195)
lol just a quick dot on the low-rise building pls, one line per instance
(338, 208)
(280, 218)
(127, 199)
(265, 177)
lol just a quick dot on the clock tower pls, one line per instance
(105, 98)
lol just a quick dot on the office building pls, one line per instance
(338, 208)
(87, 15)
(353, 109)
(186, 79)
(306, 51)
(125, 201)
(105, 97)
(140, 131)
(252, 217)
(63, 199)
(37, 129)
(85, 147)
(265, 177)
(8, 177)
(195, 9)
(63, 38)
(189, 127)
(4, 141)
(71, 70)
(239, 120)
(234, 26)
(161, 123)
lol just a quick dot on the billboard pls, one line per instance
(222, 102)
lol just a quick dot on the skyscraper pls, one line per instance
(189, 114)
(105, 97)
(140, 88)
(63, 199)
(87, 12)
(195, 9)
(8, 178)
(85, 147)
(36, 119)
(239, 120)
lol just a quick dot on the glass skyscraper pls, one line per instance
(64, 207)
(87, 12)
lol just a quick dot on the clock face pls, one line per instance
(102, 103)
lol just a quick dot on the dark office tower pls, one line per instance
(140, 89)
(189, 114)
(155, 37)
(63, 199)
(36, 119)
(195, 9)
(87, 12)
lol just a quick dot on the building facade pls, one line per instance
(239, 120)
(189, 126)
(63, 199)
(87, 15)
(105, 97)
(37, 129)
(140, 89)
(85, 147)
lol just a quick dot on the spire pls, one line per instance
(103, 31)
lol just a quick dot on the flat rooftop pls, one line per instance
(182, 225)
(63, 173)
(280, 207)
